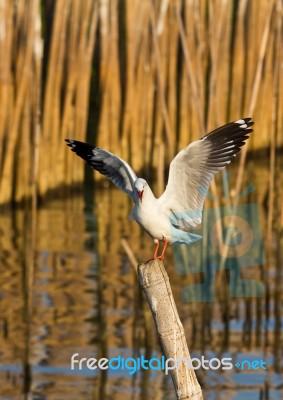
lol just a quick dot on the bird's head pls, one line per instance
(140, 185)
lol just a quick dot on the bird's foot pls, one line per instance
(155, 258)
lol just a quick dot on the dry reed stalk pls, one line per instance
(149, 107)
(58, 79)
(160, 78)
(172, 43)
(5, 62)
(184, 106)
(163, 37)
(157, 124)
(129, 84)
(115, 100)
(7, 177)
(50, 123)
(201, 50)
(73, 71)
(236, 82)
(89, 21)
(184, 113)
(160, 170)
(104, 32)
(141, 105)
(83, 26)
(273, 139)
(196, 71)
(216, 49)
(105, 36)
(22, 169)
(191, 75)
(130, 254)
(136, 103)
(255, 89)
(36, 121)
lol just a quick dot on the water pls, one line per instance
(75, 291)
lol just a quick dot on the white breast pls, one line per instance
(148, 215)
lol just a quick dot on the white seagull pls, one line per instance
(169, 217)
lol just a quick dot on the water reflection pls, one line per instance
(82, 297)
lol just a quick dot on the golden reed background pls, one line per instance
(140, 78)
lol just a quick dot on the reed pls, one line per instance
(160, 73)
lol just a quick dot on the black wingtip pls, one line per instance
(71, 143)
(244, 121)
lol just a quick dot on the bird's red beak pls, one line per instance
(140, 194)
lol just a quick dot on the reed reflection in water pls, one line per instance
(82, 296)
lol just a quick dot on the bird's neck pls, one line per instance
(148, 197)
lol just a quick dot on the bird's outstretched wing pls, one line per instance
(193, 169)
(109, 165)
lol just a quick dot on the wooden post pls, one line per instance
(155, 283)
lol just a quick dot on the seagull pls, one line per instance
(171, 217)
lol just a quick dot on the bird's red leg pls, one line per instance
(161, 257)
(164, 249)
(156, 250)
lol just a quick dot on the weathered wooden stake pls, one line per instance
(155, 283)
